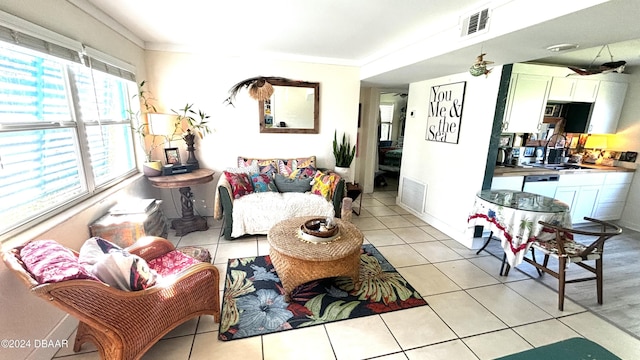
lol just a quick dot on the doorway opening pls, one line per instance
(391, 123)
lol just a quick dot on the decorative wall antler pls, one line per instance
(259, 88)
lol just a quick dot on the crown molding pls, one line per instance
(99, 15)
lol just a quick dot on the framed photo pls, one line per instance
(505, 140)
(552, 110)
(172, 155)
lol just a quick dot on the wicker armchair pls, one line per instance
(125, 324)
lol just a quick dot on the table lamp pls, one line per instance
(166, 125)
(598, 142)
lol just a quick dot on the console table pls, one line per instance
(188, 222)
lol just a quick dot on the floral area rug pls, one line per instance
(254, 302)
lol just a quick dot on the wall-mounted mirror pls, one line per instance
(293, 108)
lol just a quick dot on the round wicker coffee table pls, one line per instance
(297, 261)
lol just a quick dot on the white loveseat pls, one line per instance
(280, 189)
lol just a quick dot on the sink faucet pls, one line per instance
(546, 146)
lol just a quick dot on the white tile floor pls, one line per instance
(473, 312)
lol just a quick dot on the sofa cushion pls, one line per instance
(172, 263)
(324, 184)
(263, 182)
(50, 262)
(303, 173)
(285, 184)
(287, 166)
(240, 184)
(265, 166)
(258, 212)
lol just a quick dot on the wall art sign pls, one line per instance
(445, 112)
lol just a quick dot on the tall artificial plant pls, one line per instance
(140, 126)
(196, 120)
(343, 152)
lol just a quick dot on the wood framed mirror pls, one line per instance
(293, 108)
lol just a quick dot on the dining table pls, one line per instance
(512, 216)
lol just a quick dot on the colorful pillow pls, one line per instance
(324, 184)
(284, 184)
(250, 169)
(286, 167)
(240, 184)
(172, 263)
(115, 266)
(265, 166)
(50, 262)
(303, 173)
(263, 183)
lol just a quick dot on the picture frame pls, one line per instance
(506, 140)
(445, 109)
(552, 110)
(172, 156)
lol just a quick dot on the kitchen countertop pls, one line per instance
(531, 170)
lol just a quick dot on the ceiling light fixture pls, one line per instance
(562, 47)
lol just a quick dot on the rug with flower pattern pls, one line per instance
(254, 303)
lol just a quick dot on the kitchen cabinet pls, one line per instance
(613, 195)
(607, 107)
(526, 101)
(564, 89)
(581, 193)
(601, 195)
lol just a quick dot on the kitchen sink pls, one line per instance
(560, 166)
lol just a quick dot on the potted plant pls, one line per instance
(344, 154)
(197, 123)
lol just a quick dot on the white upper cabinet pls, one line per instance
(607, 107)
(526, 103)
(565, 89)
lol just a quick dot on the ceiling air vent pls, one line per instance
(476, 23)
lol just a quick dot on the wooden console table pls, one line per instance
(188, 222)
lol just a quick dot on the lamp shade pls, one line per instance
(166, 125)
(596, 142)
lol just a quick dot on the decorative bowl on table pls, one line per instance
(319, 230)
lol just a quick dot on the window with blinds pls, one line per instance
(64, 131)
(386, 121)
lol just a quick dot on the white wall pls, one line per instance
(453, 173)
(23, 315)
(205, 78)
(627, 139)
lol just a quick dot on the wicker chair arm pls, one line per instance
(150, 247)
(12, 260)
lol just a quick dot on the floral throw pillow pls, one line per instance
(49, 262)
(240, 184)
(287, 167)
(303, 173)
(324, 184)
(263, 183)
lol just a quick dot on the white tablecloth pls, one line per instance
(515, 228)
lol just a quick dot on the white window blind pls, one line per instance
(386, 121)
(64, 129)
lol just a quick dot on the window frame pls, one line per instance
(63, 50)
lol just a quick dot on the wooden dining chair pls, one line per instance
(566, 250)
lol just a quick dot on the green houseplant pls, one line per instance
(344, 154)
(197, 123)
